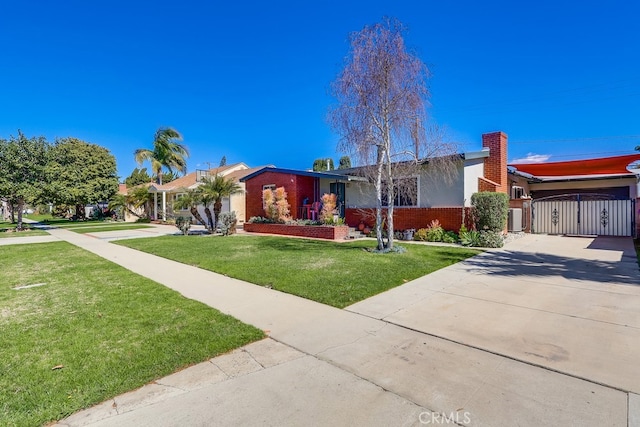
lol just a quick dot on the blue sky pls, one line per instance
(250, 80)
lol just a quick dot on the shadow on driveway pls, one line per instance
(534, 264)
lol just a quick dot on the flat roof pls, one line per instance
(327, 175)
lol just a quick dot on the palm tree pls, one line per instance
(206, 198)
(190, 200)
(167, 153)
(136, 202)
(215, 189)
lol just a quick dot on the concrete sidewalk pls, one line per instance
(349, 369)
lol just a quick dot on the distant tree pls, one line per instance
(320, 165)
(223, 161)
(381, 96)
(213, 190)
(80, 173)
(22, 177)
(190, 200)
(167, 153)
(137, 177)
(167, 177)
(345, 162)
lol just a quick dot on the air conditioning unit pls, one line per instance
(517, 192)
(514, 221)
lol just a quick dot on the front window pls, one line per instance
(405, 192)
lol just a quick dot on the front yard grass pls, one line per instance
(7, 229)
(108, 227)
(338, 274)
(92, 331)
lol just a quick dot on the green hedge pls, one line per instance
(490, 210)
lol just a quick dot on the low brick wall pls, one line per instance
(405, 218)
(312, 231)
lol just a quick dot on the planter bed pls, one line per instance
(339, 232)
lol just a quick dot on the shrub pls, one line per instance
(435, 232)
(420, 235)
(143, 220)
(470, 238)
(260, 220)
(450, 237)
(275, 204)
(227, 223)
(282, 205)
(269, 204)
(491, 239)
(184, 224)
(490, 210)
(329, 203)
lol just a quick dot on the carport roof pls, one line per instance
(576, 169)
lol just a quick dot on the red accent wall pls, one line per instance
(405, 218)
(495, 166)
(311, 231)
(297, 187)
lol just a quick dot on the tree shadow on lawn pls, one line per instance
(523, 264)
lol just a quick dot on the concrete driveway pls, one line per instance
(543, 332)
(568, 304)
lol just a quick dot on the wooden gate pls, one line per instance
(587, 214)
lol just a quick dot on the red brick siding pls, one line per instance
(254, 190)
(297, 188)
(404, 218)
(312, 231)
(484, 185)
(495, 166)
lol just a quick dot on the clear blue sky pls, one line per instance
(250, 80)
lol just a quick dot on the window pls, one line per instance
(405, 192)
(269, 187)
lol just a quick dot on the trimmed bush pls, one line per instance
(490, 210)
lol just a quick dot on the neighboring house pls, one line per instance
(165, 194)
(434, 196)
(591, 196)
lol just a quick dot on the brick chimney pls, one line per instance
(495, 166)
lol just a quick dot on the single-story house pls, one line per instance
(165, 194)
(590, 196)
(434, 196)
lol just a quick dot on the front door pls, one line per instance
(338, 189)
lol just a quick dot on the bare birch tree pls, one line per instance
(381, 113)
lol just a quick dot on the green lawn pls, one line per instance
(6, 230)
(90, 226)
(107, 329)
(109, 227)
(338, 274)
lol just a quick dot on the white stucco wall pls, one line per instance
(435, 190)
(473, 170)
